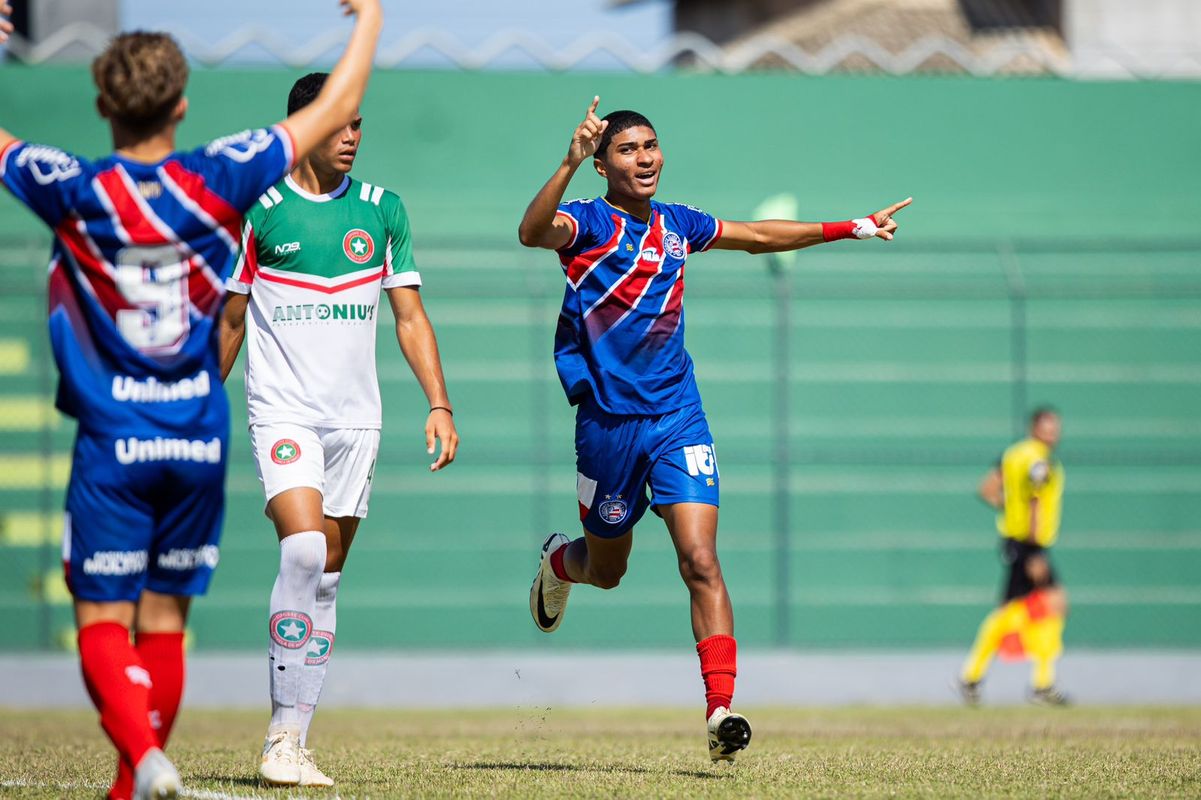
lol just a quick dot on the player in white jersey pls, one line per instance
(316, 251)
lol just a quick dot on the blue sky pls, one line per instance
(558, 22)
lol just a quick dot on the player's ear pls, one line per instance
(101, 108)
(599, 165)
(180, 110)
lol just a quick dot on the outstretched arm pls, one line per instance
(336, 104)
(232, 330)
(778, 235)
(420, 348)
(6, 28)
(541, 227)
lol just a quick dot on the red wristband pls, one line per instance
(832, 231)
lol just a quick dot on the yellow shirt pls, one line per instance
(1030, 472)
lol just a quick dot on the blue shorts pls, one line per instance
(619, 456)
(143, 512)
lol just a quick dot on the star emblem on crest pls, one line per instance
(291, 630)
(286, 451)
(358, 245)
(317, 647)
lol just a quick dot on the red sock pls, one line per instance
(162, 653)
(719, 665)
(556, 564)
(120, 688)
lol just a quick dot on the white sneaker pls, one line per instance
(310, 773)
(155, 778)
(281, 757)
(728, 733)
(548, 595)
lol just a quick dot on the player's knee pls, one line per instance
(606, 576)
(700, 567)
(303, 560)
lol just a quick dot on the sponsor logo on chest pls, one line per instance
(324, 312)
(127, 389)
(287, 248)
(132, 450)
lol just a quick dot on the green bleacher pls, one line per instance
(1041, 262)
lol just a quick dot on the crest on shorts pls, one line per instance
(614, 511)
(320, 645)
(290, 629)
(358, 245)
(285, 451)
(673, 244)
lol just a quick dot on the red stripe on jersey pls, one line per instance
(91, 268)
(316, 287)
(575, 226)
(624, 296)
(211, 203)
(579, 266)
(129, 214)
(248, 262)
(668, 321)
(204, 294)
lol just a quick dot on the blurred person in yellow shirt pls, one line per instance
(1026, 488)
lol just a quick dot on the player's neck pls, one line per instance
(633, 206)
(148, 149)
(314, 180)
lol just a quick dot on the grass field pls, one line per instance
(541, 752)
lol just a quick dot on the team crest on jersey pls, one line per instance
(673, 244)
(358, 245)
(320, 645)
(285, 451)
(290, 629)
(614, 511)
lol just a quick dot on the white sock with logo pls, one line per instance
(321, 647)
(290, 625)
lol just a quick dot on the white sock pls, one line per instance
(321, 647)
(293, 602)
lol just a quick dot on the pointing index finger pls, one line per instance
(595, 103)
(895, 207)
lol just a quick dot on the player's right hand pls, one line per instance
(587, 135)
(6, 26)
(358, 6)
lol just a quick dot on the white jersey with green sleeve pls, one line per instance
(313, 266)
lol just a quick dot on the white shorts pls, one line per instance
(338, 462)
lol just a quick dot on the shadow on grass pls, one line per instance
(547, 767)
(229, 780)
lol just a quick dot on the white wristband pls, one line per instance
(865, 228)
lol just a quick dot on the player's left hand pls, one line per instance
(440, 426)
(886, 226)
(6, 26)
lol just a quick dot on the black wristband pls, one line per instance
(441, 408)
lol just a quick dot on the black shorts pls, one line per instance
(1015, 555)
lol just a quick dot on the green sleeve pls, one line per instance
(400, 240)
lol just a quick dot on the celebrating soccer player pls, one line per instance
(144, 239)
(619, 350)
(1026, 487)
(316, 251)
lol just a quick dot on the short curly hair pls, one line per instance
(141, 77)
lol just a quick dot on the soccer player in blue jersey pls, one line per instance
(619, 350)
(144, 239)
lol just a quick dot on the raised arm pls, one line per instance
(335, 106)
(778, 235)
(420, 348)
(6, 28)
(541, 227)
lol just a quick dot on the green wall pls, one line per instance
(1048, 257)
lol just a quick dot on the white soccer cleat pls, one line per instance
(281, 758)
(548, 595)
(156, 778)
(728, 733)
(310, 773)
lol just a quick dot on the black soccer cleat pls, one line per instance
(728, 733)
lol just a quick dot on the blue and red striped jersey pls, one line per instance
(620, 335)
(141, 253)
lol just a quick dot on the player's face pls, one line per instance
(337, 153)
(632, 163)
(1047, 429)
